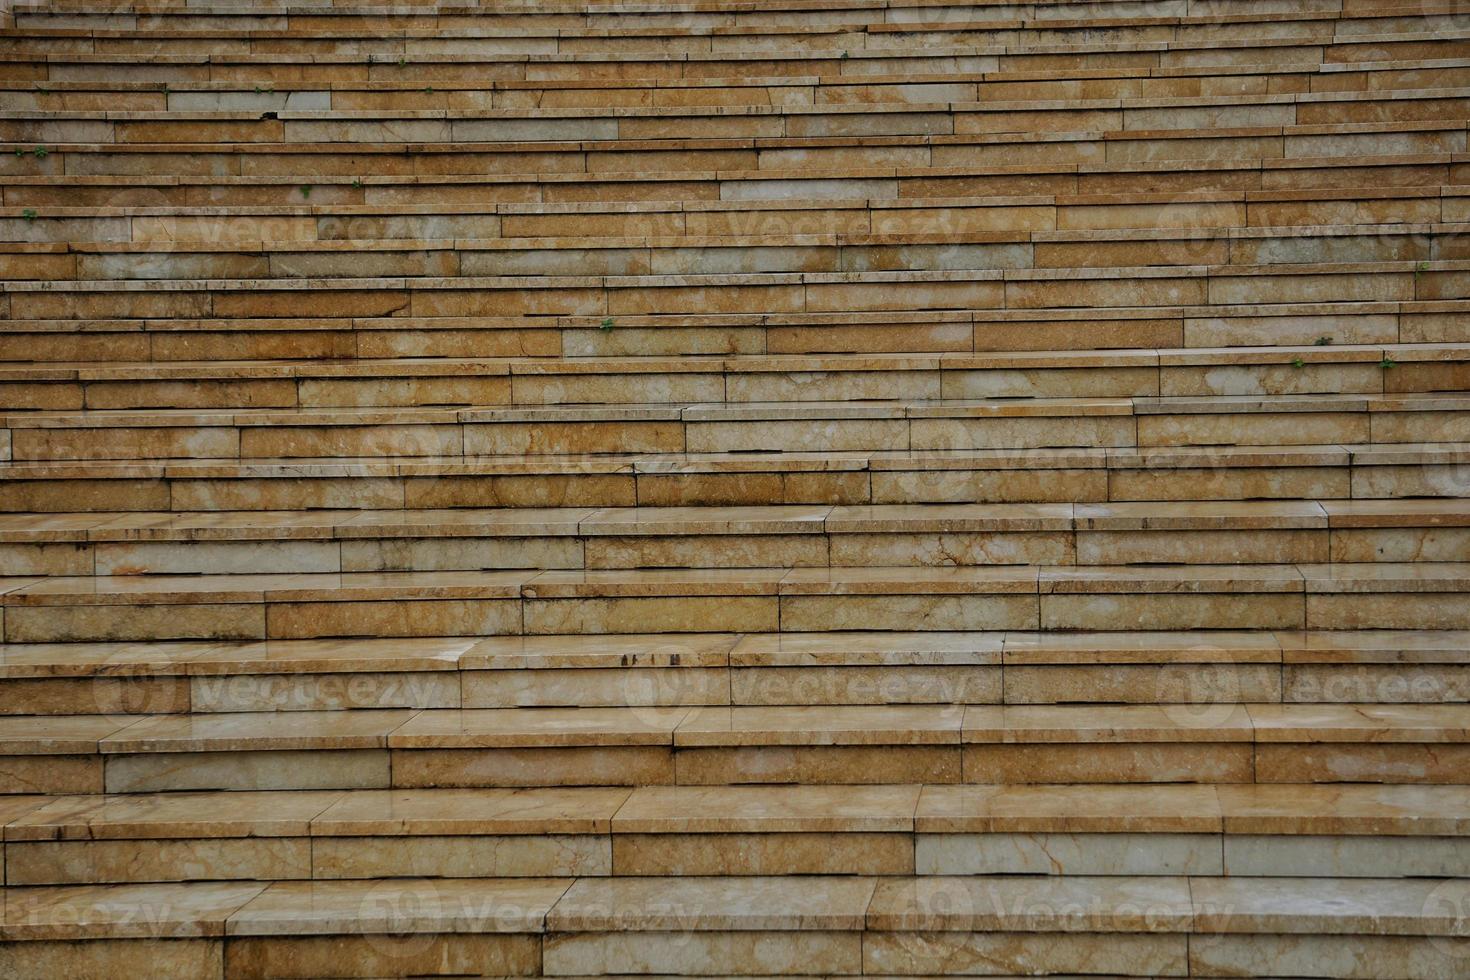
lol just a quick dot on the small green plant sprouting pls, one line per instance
(1322, 341)
(1297, 362)
(19, 152)
(1388, 363)
(402, 62)
(607, 324)
(306, 190)
(1419, 269)
(357, 183)
(844, 56)
(429, 90)
(41, 153)
(29, 214)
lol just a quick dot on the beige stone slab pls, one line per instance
(593, 765)
(244, 770)
(258, 731)
(1346, 957)
(763, 854)
(481, 855)
(813, 725)
(145, 911)
(835, 648)
(1075, 903)
(1068, 854)
(1326, 762)
(713, 904)
(1216, 722)
(1345, 809)
(96, 960)
(636, 650)
(382, 955)
(443, 812)
(539, 727)
(98, 862)
(678, 953)
(1327, 906)
(1068, 809)
(1184, 647)
(405, 905)
(1371, 857)
(1093, 762)
(767, 809)
(1024, 954)
(1360, 723)
(817, 764)
(172, 815)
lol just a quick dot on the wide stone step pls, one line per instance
(612, 297)
(774, 536)
(353, 258)
(928, 427)
(304, 147)
(1168, 926)
(870, 744)
(423, 382)
(1245, 830)
(1204, 669)
(1381, 78)
(1384, 595)
(467, 125)
(465, 180)
(1083, 475)
(1039, 332)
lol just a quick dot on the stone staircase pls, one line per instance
(735, 488)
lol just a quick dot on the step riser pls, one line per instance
(656, 765)
(672, 435)
(1283, 378)
(1399, 543)
(1051, 485)
(748, 954)
(384, 183)
(407, 617)
(1203, 685)
(939, 332)
(325, 858)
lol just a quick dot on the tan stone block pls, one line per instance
(636, 765)
(95, 862)
(1143, 684)
(518, 438)
(928, 612)
(50, 774)
(303, 957)
(651, 614)
(807, 764)
(481, 856)
(129, 694)
(421, 617)
(1092, 762)
(1023, 953)
(897, 684)
(1337, 762)
(105, 958)
(166, 772)
(63, 624)
(707, 953)
(1255, 546)
(762, 854)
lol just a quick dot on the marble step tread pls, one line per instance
(695, 412)
(532, 584)
(1006, 179)
(722, 727)
(1265, 809)
(68, 140)
(1447, 99)
(479, 367)
(1311, 27)
(1384, 76)
(1164, 926)
(706, 651)
(778, 519)
(277, 18)
(1030, 289)
(1303, 906)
